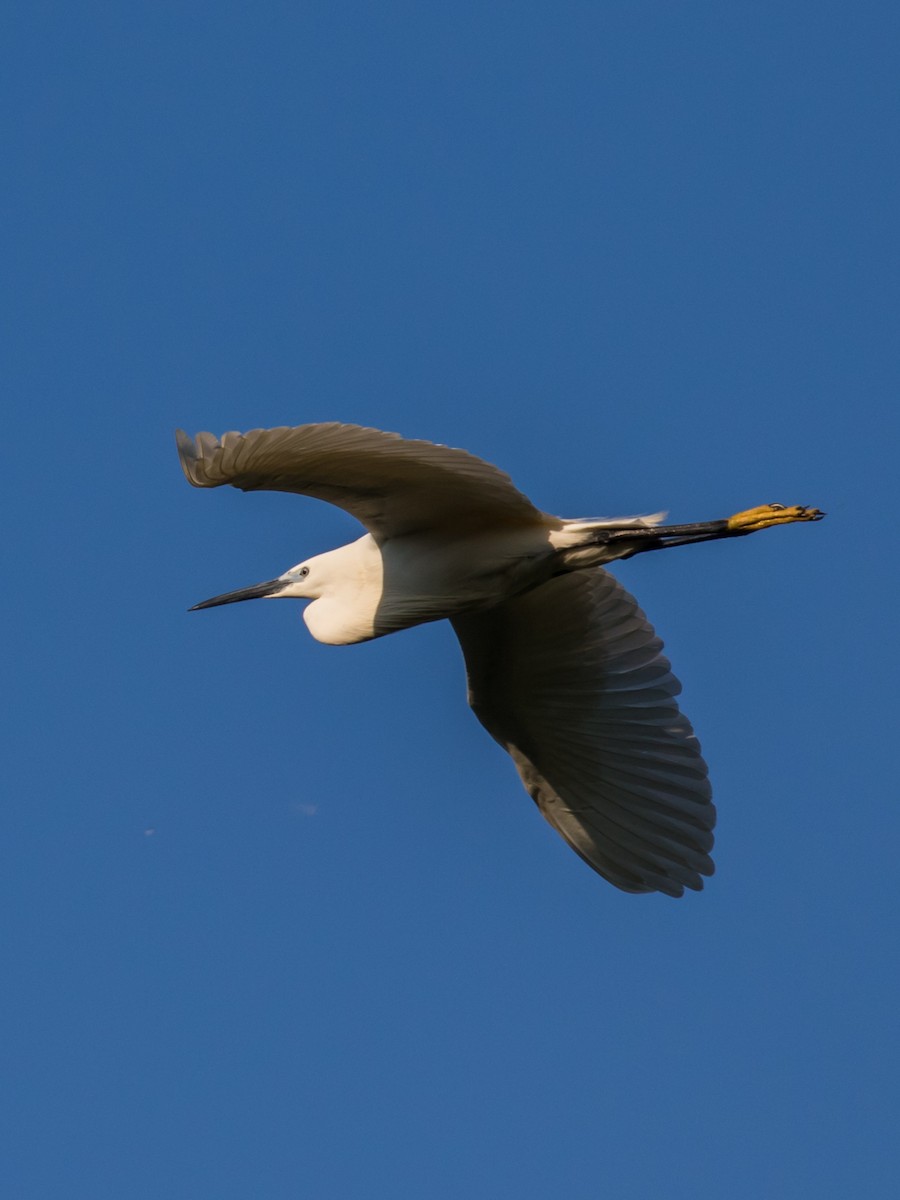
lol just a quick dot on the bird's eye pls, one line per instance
(303, 572)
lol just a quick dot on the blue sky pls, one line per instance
(279, 919)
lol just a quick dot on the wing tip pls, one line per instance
(193, 461)
(187, 454)
(670, 881)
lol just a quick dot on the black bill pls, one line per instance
(269, 588)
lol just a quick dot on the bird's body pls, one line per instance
(369, 589)
(564, 669)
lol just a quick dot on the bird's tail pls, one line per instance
(579, 531)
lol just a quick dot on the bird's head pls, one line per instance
(298, 583)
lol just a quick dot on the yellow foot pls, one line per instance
(772, 514)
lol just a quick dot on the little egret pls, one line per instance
(564, 669)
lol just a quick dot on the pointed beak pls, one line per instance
(269, 588)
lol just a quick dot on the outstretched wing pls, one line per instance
(389, 483)
(570, 678)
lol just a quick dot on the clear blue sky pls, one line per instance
(279, 920)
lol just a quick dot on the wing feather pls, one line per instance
(392, 485)
(570, 678)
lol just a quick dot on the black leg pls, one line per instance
(659, 537)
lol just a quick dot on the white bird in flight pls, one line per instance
(564, 669)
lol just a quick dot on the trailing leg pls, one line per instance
(588, 544)
(742, 523)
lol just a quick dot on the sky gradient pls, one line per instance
(279, 919)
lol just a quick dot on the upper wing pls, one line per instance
(570, 679)
(389, 483)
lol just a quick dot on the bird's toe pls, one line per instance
(765, 515)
